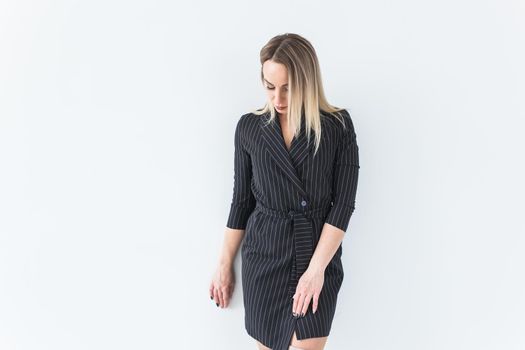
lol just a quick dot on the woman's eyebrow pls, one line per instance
(272, 84)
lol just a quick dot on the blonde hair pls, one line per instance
(306, 95)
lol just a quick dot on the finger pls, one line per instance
(294, 306)
(300, 306)
(230, 293)
(306, 303)
(215, 296)
(315, 303)
(210, 290)
(300, 302)
(221, 297)
(226, 295)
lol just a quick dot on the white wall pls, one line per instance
(112, 111)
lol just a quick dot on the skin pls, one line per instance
(311, 282)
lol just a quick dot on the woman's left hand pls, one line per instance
(308, 288)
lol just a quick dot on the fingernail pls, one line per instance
(302, 315)
(217, 304)
(211, 297)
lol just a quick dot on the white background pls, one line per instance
(116, 169)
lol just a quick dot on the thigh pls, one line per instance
(260, 346)
(310, 343)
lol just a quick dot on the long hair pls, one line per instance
(305, 88)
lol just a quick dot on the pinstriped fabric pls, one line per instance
(303, 244)
(282, 198)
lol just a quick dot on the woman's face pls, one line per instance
(275, 82)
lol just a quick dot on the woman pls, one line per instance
(293, 196)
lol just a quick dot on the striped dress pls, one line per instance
(282, 198)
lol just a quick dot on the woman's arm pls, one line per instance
(344, 187)
(330, 240)
(230, 246)
(312, 280)
(242, 205)
(346, 173)
(243, 201)
(223, 280)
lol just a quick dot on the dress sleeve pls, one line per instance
(346, 172)
(243, 201)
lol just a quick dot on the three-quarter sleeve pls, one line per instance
(346, 172)
(243, 201)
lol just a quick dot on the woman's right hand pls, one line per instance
(222, 285)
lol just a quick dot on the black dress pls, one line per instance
(282, 199)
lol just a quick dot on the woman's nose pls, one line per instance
(279, 99)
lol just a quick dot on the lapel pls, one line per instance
(289, 162)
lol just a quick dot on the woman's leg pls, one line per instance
(305, 344)
(261, 347)
(308, 344)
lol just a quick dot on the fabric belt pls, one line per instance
(303, 237)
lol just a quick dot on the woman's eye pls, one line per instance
(272, 88)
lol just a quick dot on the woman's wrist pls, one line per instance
(226, 262)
